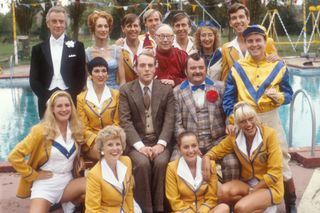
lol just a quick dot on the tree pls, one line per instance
(75, 12)
(25, 12)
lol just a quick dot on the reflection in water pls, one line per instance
(302, 126)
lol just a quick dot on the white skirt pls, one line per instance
(51, 189)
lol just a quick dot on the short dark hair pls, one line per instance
(129, 19)
(97, 62)
(178, 16)
(238, 6)
(185, 134)
(194, 56)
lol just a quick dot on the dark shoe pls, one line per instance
(290, 196)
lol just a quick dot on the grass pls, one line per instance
(6, 49)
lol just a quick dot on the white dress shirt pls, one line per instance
(93, 98)
(56, 47)
(199, 96)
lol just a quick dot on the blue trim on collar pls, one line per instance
(185, 83)
(63, 150)
(217, 55)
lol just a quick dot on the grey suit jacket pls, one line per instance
(185, 110)
(132, 111)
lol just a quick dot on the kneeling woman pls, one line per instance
(53, 149)
(110, 181)
(185, 188)
(258, 150)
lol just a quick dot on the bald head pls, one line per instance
(164, 38)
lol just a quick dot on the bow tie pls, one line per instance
(195, 87)
(58, 42)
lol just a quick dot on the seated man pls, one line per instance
(147, 116)
(199, 109)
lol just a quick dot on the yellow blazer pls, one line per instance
(181, 196)
(265, 162)
(231, 54)
(103, 197)
(130, 74)
(92, 119)
(38, 149)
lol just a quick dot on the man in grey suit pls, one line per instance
(147, 116)
(198, 108)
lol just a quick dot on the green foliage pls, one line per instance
(6, 28)
(25, 14)
(76, 18)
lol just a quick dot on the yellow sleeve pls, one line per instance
(129, 197)
(223, 148)
(23, 149)
(224, 65)
(116, 118)
(274, 172)
(172, 192)
(93, 193)
(210, 198)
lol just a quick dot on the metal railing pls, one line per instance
(313, 119)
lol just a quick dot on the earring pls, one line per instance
(102, 153)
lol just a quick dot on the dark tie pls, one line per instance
(195, 87)
(146, 97)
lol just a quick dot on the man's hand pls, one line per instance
(206, 168)
(147, 151)
(231, 130)
(167, 81)
(44, 174)
(273, 94)
(273, 57)
(156, 150)
(119, 42)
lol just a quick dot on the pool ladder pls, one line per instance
(313, 118)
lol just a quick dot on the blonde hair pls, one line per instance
(242, 110)
(107, 133)
(93, 17)
(149, 13)
(197, 35)
(147, 52)
(51, 129)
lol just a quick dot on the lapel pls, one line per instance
(64, 55)
(211, 106)
(137, 98)
(156, 98)
(47, 53)
(187, 98)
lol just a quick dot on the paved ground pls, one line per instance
(308, 197)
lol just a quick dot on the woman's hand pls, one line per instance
(44, 174)
(206, 168)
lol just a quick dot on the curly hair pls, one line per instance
(51, 128)
(197, 34)
(93, 17)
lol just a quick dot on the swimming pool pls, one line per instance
(18, 110)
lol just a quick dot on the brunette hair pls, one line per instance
(149, 13)
(179, 16)
(238, 6)
(129, 19)
(185, 134)
(93, 17)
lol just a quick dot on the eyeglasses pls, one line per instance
(162, 37)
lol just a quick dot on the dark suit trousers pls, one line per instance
(149, 178)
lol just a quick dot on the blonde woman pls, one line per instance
(257, 147)
(52, 147)
(100, 25)
(110, 181)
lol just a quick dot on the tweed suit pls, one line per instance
(186, 119)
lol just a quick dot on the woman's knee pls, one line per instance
(241, 207)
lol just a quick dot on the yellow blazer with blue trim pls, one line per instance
(90, 116)
(248, 82)
(102, 197)
(265, 162)
(129, 72)
(38, 148)
(182, 198)
(230, 55)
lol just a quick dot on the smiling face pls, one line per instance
(62, 109)
(164, 38)
(189, 148)
(145, 68)
(196, 71)
(181, 28)
(99, 76)
(112, 149)
(101, 30)
(239, 21)
(56, 23)
(248, 126)
(207, 38)
(132, 30)
(152, 22)
(256, 45)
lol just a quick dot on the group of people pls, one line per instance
(156, 112)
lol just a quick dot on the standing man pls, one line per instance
(171, 61)
(198, 108)
(57, 63)
(147, 116)
(265, 86)
(239, 20)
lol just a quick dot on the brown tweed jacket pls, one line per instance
(185, 110)
(132, 111)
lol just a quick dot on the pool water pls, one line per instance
(18, 110)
